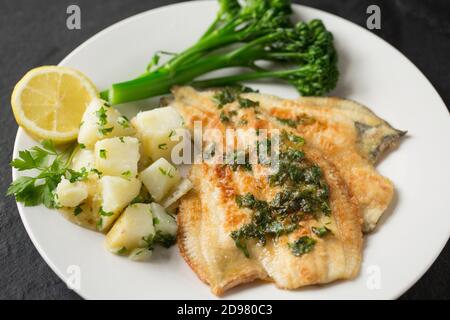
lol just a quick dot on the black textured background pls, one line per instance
(34, 33)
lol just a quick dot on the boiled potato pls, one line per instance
(102, 121)
(128, 233)
(117, 156)
(71, 194)
(159, 144)
(157, 130)
(159, 178)
(83, 158)
(163, 222)
(116, 194)
(180, 190)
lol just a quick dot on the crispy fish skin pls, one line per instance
(347, 133)
(209, 213)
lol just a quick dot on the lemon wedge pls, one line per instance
(49, 102)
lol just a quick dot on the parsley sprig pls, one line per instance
(51, 165)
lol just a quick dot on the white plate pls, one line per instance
(411, 234)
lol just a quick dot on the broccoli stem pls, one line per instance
(155, 84)
(230, 80)
(159, 82)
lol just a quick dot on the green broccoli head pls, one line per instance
(320, 73)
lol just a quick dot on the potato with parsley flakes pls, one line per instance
(101, 121)
(157, 131)
(131, 229)
(163, 222)
(71, 194)
(159, 178)
(117, 156)
(83, 158)
(116, 194)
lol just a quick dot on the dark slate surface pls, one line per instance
(33, 33)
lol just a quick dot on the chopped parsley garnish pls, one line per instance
(102, 153)
(82, 146)
(104, 213)
(99, 173)
(225, 96)
(226, 117)
(231, 94)
(302, 119)
(289, 122)
(99, 224)
(143, 197)
(105, 131)
(164, 239)
(302, 245)
(296, 140)
(121, 139)
(304, 194)
(168, 173)
(122, 250)
(242, 122)
(321, 231)
(162, 146)
(77, 210)
(102, 116)
(265, 222)
(239, 160)
(247, 103)
(123, 122)
(102, 121)
(126, 174)
(172, 133)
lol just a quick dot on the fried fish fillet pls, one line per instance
(209, 214)
(351, 136)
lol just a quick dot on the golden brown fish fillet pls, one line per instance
(209, 213)
(348, 134)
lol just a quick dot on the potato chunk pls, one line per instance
(117, 156)
(116, 194)
(128, 233)
(84, 158)
(102, 121)
(180, 190)
(163, 222)
(156, 129)
(71, 194)
(159, 178)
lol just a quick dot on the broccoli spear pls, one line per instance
(259, 31)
